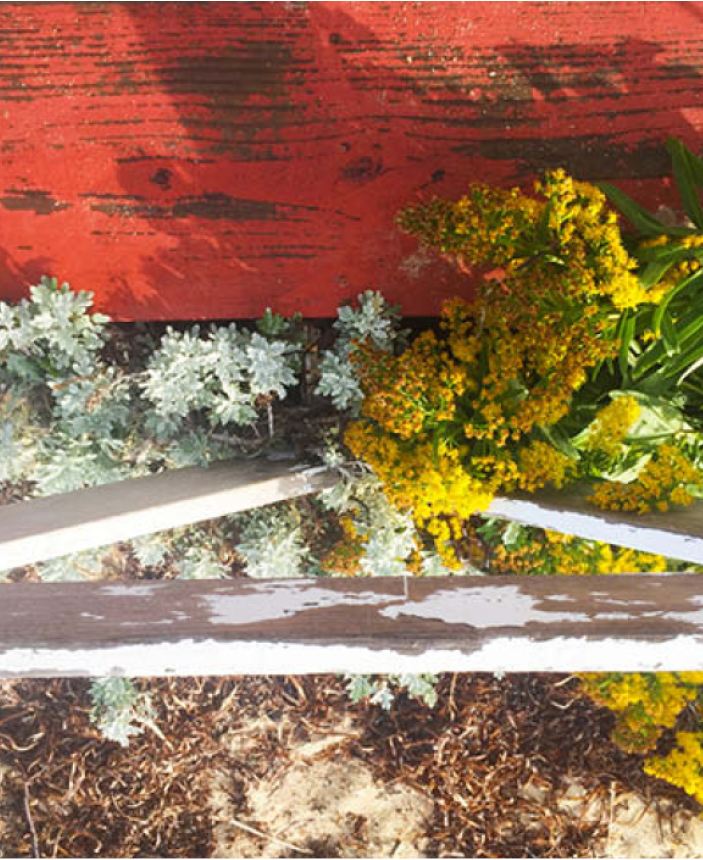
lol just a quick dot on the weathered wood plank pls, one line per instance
(41, 529)
(564, 624)
(675, 534)
(190, 160)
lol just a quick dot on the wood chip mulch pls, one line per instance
(492, 755)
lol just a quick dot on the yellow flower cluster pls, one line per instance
(565, 554)
(404, 394)
(661, 482)
(644, 703)
(582, 224)
(612, 424)
(683, 766)
(541, 464)
(449, 422)
(426, 479)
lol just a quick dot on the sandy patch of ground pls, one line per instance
(634, 829)
(317, 800)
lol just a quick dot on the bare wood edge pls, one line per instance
(46, 528)
(42, 529)
(247, 627)
(676, 534)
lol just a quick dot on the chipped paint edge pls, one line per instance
(95, 531)
(595, 526)
(190, 657)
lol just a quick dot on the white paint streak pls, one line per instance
(507, 606)
(485, 607)
(131, 590)
(595, 526)
(502, 654)
(151, 623)
(283, 599)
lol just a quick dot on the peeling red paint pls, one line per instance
(188, 160)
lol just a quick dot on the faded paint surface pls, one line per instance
(672, 534)
(45, 528)
(189, 160)
(637, 623)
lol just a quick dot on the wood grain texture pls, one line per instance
(633, 623)
(207, 160)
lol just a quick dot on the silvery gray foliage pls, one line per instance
(120, 710)
(382, 690)
(53, 333)
(69, 420)
(222, 374)
(190, 550)
(16, 451)
(338, 382)
(390, 536)
(201, 562)
(271, 542)
(373, 319)
(65, 415)
(73, 568)
(150, 550)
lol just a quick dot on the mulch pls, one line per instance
(74, 794)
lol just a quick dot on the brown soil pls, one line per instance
(287, 767)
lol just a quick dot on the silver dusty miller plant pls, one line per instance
(120, 711)
(383, 689)
(223, 375)
(372, 319)
(272, 543)
(68, 419)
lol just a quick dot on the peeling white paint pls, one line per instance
(484, 607)
(507, 606)
(91, 615)
(130, 590)
(597, 526)
(281, 600)
(502, 654)
(151, 623)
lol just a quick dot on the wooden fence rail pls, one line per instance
(561, 624)
(565, 623)
(41, 529)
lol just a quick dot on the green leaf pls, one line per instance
(689, 329)
(654, 272)
(644, 221)
(557, 439)
(684, 362)
(661, 308)
(672, 252)
(513, 536)
(625, 335)
(685, 176)
(669, 334)
(689, 370)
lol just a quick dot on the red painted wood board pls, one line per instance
(207, 160)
